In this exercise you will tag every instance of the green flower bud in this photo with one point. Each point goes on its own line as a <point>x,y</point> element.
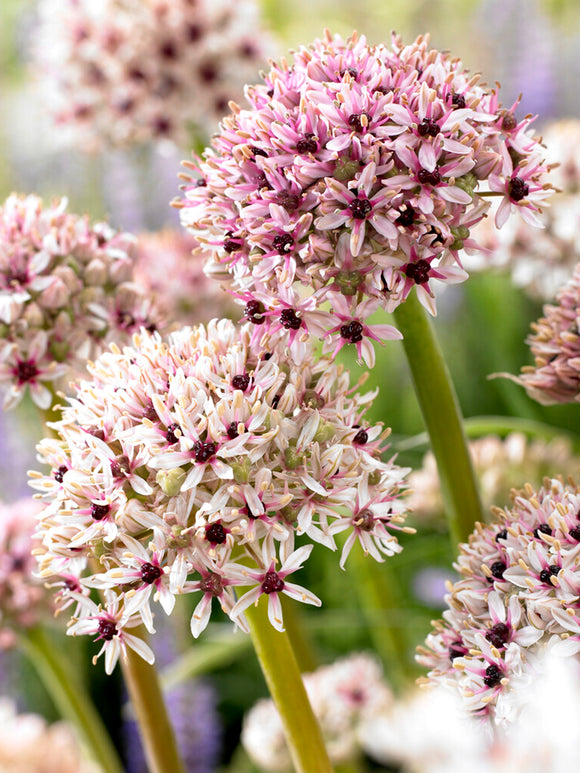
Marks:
<point>170,481</point>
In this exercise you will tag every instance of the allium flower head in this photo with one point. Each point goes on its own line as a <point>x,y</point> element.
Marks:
<point>166,268</point>
<point>540,261</point>
<point>190,466</point>
<point>344,696</point>
<point>555,345</point>
<point>497,463</point>
<point>125,71</point>
<point>356,173</point>
<point>66,291</point>
<point>23,598</point>
<point>517,597</point>
<point>29,745</point>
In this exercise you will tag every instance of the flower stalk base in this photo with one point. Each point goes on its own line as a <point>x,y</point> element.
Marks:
<point>282,675</point>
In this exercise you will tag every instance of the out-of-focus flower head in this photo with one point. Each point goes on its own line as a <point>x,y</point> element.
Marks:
<point>23,598</point>
<point>540,261</point>
<point>66,291</point>
<point>125,71</point>
<point>516,598</point>
<point>543,735</point>
<point>555,345</point>
<point>344,697</point>
<point>354,177</point>
<point>29,745</point>
<point>166,268</point>
<point>497,463</point>
<point>189,466</point>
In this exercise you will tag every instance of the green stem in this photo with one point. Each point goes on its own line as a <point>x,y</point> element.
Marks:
<point>376,587</point>
<point>300,640</point>
<point>282,675</point>
<point>69,698</point>
<point>443,419</point>
<point>154,725</point>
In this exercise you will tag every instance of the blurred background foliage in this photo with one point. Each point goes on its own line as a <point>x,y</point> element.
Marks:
<point>529,46</point>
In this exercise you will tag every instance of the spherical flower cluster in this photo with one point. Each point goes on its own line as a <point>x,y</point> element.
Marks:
<point>540,261</point>
<point>29,745</point>
<point>344,697</point>
<point>22,596</point>
<point>355,174</point>
<point>66,291</point>
<point>126,71</point>
<point>517,596</point>
<point>555,345</point>
<point>190,466</point>
<point>497,463</point>
<point>543,735</point>
<point>166,268</point>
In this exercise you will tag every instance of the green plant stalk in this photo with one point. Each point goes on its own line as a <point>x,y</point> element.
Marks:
<point>148,704</point>
<point>69,698</point>
<point>282,675</point>
<point>376,587</point>
<point>443,419</point>
<point>299,637</point>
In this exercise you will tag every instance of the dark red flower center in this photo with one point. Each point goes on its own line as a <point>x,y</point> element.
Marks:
<point>518,189</point>
<point>215,533</point>
<point>406,216</point>
<point>107,629</point>
<point>429,178</point>
<point>360,208</point>
<point>428,127</point>
<point>232,430</point>
<point>290,320</point>
<point>355,122</point>
<point>493,676</point>
<point>497,569</point>
<point>272,583</point>
<point>365,520</point>
<point>352,331</point>
<point>150,573</point>
<point>203,452</point>
<point>307,144</point>
<point>171,435</point>
<point>361,437</point>
<point>418,272</point>
<point>212,584</point>
<point>59,474</point>
<point>283,243</point>
<point>25,371</point>
<point>254,311</point>
<point>550,571</point>
<point>98,512</point>
<point>498,635</point>
<point>241,382</point>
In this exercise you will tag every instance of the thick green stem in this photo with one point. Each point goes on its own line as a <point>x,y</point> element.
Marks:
<point>69,698</point>
<point>443,419</point>
<point>154,725</point>
<point>284,681</point>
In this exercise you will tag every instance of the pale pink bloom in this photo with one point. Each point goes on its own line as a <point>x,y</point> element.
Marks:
<point>189,464</point>
<point>555,346</point>
<point>353,166</point>
<point>108,625</point>
<point>23,599</point>
<point>66,292</point>
<point>122,72</point>
<point>517,595</point>
<point>28,744</point>
<point>272,582</point>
